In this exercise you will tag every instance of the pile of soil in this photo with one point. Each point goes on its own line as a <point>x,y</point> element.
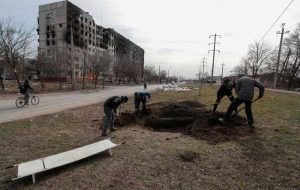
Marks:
<point>192,118</point>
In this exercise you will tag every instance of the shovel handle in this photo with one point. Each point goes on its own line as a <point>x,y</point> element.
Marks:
<point>244,107</point>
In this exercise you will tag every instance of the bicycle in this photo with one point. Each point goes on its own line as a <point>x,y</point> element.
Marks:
<point>21,101</point>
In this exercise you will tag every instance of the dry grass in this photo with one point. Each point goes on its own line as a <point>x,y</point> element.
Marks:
<point>268,159</point>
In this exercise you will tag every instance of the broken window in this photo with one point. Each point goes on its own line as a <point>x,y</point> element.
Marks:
<point>60,25</point>
<point>53,42</point>
<point>48,43</point>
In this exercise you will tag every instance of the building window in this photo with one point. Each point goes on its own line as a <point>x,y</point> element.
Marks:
<point>53,42</point>
<point>60,25</point>
<point>85,19</point>
<point>48,43</point>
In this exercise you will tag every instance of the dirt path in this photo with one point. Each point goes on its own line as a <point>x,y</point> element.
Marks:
<point>51,103</point>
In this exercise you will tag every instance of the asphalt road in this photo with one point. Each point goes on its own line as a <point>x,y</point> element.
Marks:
<point>55,102</point>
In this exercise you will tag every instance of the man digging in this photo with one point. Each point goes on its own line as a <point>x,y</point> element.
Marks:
<point>110,109</point>
<point>224,90</point>
<point>141,97</point>
<point>245,92</point>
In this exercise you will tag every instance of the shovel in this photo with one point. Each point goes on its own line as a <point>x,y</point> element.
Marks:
<point>243,108</point>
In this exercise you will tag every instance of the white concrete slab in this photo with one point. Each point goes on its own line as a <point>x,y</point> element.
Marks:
<point>43,164</point>
<point>29,168</point>
<point>74,155</point>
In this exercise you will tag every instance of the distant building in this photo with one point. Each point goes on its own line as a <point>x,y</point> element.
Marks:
<point>216,79</point>
<point>65,31</point>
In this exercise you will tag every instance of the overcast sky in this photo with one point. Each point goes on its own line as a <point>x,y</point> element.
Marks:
<point>175,33</point>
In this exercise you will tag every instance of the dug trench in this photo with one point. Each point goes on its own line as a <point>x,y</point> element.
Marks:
<point>190,118</point>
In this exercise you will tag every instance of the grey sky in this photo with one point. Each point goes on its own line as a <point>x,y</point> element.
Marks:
<point>175,33</point>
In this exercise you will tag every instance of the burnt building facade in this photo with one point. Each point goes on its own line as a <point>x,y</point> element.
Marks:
<point>66,31</point>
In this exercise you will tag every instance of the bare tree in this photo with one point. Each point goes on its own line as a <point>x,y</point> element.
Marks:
<point>2,73</point>
<point>150,73</point>
<point>163,75</point>
<point>121,68</point>
<point>258,55</point>
<point>60,66</point>
<point>99,64</point>
<point>106,60</point>
<point>2,70</point>
<point>240,68</point>
<point>15,43</point>
<point>293,64</point>
<point>41,69</point>
<point>85,65</point>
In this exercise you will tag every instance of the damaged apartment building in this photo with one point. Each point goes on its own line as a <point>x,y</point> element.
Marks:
<point>66,32</point>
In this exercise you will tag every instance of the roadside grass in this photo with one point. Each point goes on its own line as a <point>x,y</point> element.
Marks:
<point>267,159</point>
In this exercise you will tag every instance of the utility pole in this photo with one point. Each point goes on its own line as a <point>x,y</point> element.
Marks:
<point>214,51</point>
<point>203,63</point>
<point>222,70</point>
<point>199,75</point>
<point>279,52</point>
<point>159,74</point>
<point>168,77</point>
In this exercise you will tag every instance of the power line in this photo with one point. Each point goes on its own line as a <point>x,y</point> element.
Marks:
<point>276,20</point>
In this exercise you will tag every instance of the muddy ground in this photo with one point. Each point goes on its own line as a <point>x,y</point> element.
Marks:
<point>188,117</point>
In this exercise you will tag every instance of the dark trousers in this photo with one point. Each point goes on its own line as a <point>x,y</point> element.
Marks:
<point>233,106</point>
<point>109,119</point>
<point>137,101</point>
<point>26,96</point>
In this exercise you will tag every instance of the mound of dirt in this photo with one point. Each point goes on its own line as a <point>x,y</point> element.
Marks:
<point>189,156</point>
<point>191,118</point>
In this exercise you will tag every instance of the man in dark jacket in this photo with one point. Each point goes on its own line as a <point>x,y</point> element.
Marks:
<point>141,97</point>
<point>110,109</point>
<point>245,92</point>
<point>24,89</point>
<point>225,89</point>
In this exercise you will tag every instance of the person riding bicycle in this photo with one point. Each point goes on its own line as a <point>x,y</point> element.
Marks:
<point>24,89</point>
